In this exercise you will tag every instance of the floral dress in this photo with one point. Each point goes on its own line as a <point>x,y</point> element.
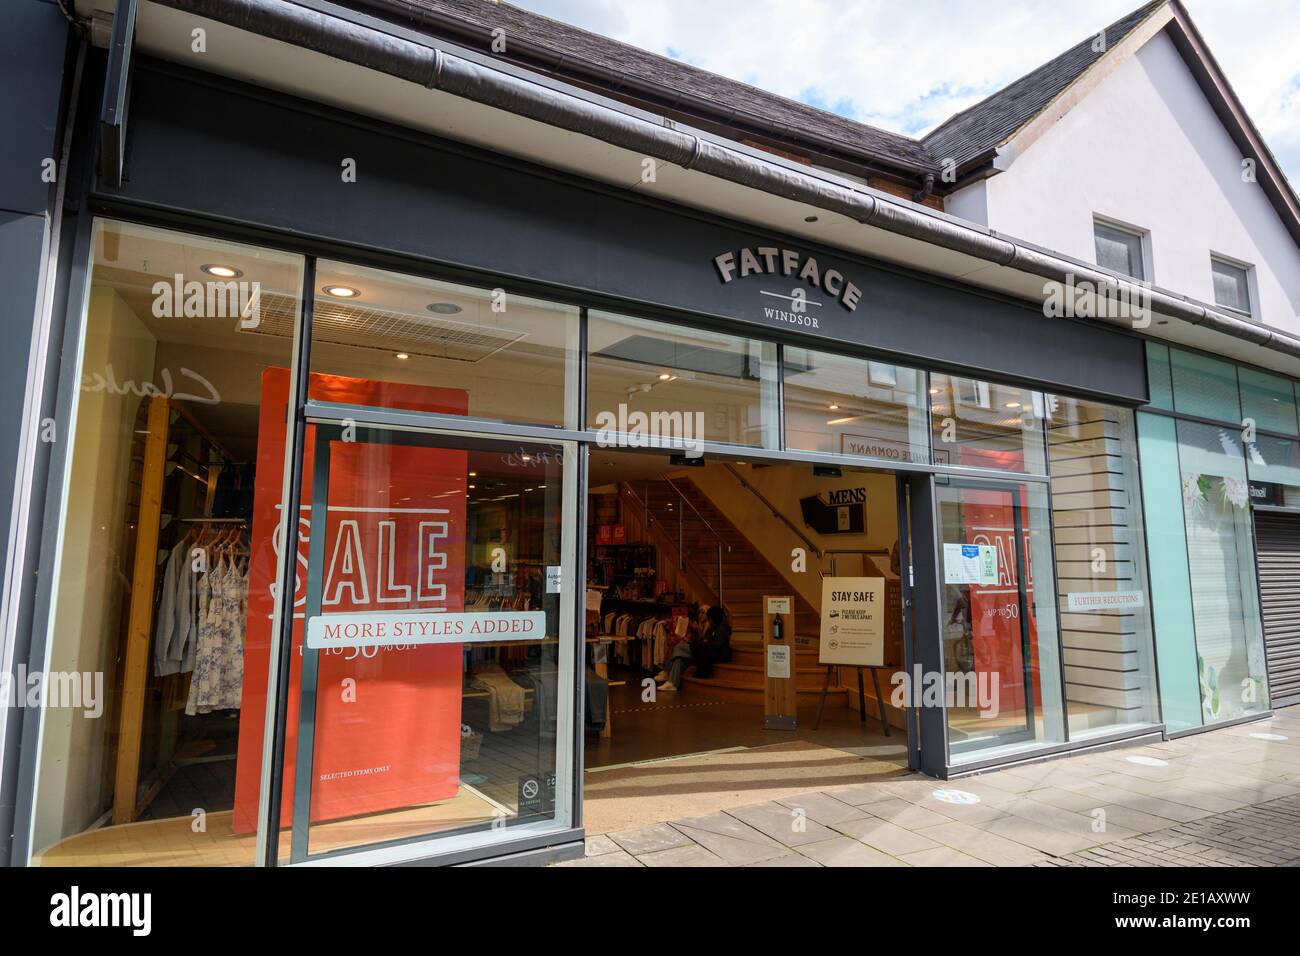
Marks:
<point>218,678</point>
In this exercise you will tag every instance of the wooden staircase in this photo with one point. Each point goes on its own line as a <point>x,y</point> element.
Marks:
<point>683,512</point>
<point>742,680</point>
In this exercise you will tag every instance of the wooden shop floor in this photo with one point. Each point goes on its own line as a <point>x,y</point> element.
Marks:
<point>172,842</point>
<point>692,722</point>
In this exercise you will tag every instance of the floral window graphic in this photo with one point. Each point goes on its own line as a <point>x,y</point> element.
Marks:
<point>1230,658</point>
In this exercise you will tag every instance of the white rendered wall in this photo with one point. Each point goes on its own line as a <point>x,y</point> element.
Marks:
<point>1145,148</point>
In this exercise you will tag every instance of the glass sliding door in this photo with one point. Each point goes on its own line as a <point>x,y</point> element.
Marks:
<point>432,675</point>
<point>1002,671</point>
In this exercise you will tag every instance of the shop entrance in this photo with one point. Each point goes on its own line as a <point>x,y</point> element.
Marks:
<point>681,557</point>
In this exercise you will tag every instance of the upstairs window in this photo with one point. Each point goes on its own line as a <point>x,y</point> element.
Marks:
<point>1231,285</point>
<point>1119,250</point>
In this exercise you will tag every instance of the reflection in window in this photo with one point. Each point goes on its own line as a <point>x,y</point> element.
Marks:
<point>1001,650</point>
<point>848,406</point>
<point>169,454</point>
<point>1231,285</point>
<point>1267,401</point>
<point>1274,468</point>
<point>1220,553</point>
<point>461,718</point>
<point>512,356</point>
<point>978,424</point>
<point>1100,566</point>
<point>646,378</point>
<point>1119,250</point>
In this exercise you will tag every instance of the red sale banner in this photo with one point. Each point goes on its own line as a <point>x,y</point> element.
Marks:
<point>995,608</point>
<point>387,724</point>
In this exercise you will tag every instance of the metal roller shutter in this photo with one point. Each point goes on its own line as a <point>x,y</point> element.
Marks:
<point>1277,538</point>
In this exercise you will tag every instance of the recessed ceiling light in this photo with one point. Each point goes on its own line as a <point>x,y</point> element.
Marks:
<point>934,391</point>
<point>525,457</point>
<point>402,355</point>
<point>341,291</point>
<point>225,272</point>
<point>473,474</point>
<point>809,218</point>
<point>444,308</point>
<point>473,486</point>
<point>832,408</point>
<point>666,376</point>
<point>1013,404</point>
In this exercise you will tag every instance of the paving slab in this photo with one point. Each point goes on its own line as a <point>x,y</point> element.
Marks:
<point>845,851</point>
<point>779,823</point>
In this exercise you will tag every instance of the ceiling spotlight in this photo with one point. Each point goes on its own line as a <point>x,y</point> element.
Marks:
<point>473,486</point>
<point>444,308</point>
<point>525,457</point>
<point>1013,404</point>
<point>809,218</point>
<point>934,391</point>
<point>403,355</point>
<point>666,376</point>
<point>341,291</point>
<point>225,272</point>
<point>832,408</point>
<point>473,474</point>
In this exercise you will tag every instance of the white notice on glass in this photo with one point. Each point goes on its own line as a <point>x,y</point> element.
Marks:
<point>970,564</point>
<point>553,579</point>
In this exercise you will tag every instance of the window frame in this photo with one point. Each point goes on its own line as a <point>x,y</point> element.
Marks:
<point>1143,237</point>
<point>1248,278</point>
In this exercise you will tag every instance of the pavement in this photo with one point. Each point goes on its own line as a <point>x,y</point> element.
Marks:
<point>1228,797</point>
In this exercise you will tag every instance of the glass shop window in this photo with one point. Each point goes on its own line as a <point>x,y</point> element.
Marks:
<point>149,756</point>
<point>976,424</point>
<point>850,406</point>
<point>647,380</point>
<point>508,357</point>
<point>431,686</point>
<point>1100,567</point>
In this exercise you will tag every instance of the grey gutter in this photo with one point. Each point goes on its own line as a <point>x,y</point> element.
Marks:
<point>663,96</point>
<point>434,68</point>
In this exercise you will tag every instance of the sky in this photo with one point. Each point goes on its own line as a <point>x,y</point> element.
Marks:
<point>907,65</point>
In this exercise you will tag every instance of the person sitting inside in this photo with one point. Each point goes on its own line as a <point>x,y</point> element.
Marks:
<point>712,645</point>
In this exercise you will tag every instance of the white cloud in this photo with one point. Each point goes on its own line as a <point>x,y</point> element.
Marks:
<point>907,66</point>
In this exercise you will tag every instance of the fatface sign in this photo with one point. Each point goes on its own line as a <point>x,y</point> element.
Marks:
<point>790,303</point>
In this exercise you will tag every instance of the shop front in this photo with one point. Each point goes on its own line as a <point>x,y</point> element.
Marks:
<point>324,526</point>
<point>1221,474</point>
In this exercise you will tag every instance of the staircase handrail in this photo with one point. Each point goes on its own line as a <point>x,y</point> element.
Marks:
<point>775,511</point>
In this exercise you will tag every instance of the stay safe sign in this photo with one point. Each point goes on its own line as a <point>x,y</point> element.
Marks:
<point>853,621</point>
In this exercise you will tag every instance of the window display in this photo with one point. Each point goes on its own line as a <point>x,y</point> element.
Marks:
<point>153,581</point>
